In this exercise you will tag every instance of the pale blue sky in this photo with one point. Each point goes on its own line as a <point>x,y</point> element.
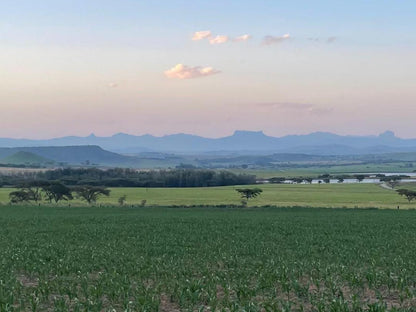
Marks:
<point>76,67</point>
<point>103,22</point>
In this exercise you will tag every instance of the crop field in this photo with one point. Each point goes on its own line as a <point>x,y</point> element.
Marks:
<point>323,195</point>
<point>206,259</point>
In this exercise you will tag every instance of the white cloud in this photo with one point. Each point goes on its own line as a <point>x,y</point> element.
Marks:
<point>181,71</point>
<point>113,85</point>
<point>268,40</point>
<point>218,39</point>
<point>242,38</point>
<point>199,35</point>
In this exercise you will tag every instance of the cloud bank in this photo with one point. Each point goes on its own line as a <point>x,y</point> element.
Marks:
<point>181,71</point>
<point>267,40</point>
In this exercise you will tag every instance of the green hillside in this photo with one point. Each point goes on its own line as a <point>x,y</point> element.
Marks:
<point>23,158</point>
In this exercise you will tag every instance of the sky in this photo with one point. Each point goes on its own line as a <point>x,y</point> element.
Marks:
<point>208,68</point>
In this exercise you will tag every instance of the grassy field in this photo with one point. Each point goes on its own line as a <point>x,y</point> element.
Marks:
<point>206,259</point>
<point>324,195</point>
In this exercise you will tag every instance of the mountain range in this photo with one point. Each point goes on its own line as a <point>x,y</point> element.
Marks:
<point>242,142</point>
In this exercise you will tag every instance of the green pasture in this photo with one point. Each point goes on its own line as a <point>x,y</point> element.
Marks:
<point>101,259</point>
<point>309,195</point>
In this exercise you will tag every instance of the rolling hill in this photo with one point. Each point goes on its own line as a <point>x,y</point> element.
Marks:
<point>25,158</point>
<point>62,155</point>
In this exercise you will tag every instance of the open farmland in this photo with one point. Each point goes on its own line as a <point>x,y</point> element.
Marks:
<point>323,195</point>
<point>167,259</point>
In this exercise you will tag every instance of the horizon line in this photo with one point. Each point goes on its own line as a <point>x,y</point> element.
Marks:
<point>386,132</point>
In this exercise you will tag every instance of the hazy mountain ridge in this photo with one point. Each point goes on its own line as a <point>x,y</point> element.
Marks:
<point>321,143</point>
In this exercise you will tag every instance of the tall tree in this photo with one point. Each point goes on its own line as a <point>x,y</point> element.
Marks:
<point>91,193</point>
<point>359,177</point>
<point>56,192</point>
<point>391,181</point>
<point>34,188</point>
<point>20,196</point>
<point>409,194</point>
<point>248,193</point>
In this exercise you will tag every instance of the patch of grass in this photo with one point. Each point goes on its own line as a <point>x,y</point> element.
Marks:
<point>164,259</point>
<point>315,195</point>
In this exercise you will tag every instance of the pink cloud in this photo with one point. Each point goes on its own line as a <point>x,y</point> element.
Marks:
<point>199,35</point>
<point>181,71</point>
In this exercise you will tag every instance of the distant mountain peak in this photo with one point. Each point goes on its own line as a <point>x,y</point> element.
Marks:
<point>387,134</point>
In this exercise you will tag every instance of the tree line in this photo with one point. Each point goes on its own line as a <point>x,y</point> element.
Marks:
<point>392,180</point>
<point>36,191</point>
<point>119,177</point>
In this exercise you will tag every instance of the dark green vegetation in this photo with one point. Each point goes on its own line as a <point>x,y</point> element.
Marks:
<point>161,259</point>
<point>119,177</point>
<point>49,191</point>
<point>91,193</point>
<point>36,191</point>
<point>409,194</point>
<point>248,193</point>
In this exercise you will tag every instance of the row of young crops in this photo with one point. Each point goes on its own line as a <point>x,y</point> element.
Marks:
<point>165,259</point>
